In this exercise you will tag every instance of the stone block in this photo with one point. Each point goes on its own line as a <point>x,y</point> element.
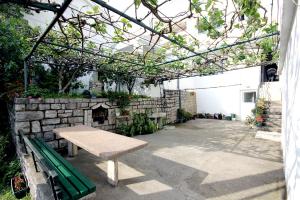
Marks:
<point>51,121</point>
<point>36,100</point>
<point>61,125</point>
<point>60,111</point>
<point>77,113</point>
<point>83,105</point>
<point>77,124</point>
<point>63,106</point>
<point>71,106</point>
<point>64,120</point>
<point>63,100</point>
<point>21,100</point>
<point>62,143</point>
<point>111,120</point>
<point>39,135</point>
<point>73,120</point>
<point>53,144</point>
<point>92,104</point>
<point>95,124</point>
<point>55,106</point>
<point>32,106</point>
<point>19,107</point>
<point>44,106</point>
<point>65,115</point>
<point>48,128</point>
<point>77,100</point>
<point>111,112</point>
<point>35,127</point>
<point>29,116</point>
<point>50,114</point>
<point>49,100</point>
<point>85,100</point>
<point>48,136</point>
<point>25,126</point>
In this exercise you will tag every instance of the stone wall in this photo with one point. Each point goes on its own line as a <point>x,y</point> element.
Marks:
<point>188,99</point>
<point>40,116</point>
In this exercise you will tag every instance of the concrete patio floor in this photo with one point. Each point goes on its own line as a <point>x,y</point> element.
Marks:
<point>201,159</point>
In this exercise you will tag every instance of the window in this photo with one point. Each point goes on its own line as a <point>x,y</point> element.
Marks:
<point>249,97</point>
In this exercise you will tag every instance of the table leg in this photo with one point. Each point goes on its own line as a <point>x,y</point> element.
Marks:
<point>112,172</point>
<point>72,149</point>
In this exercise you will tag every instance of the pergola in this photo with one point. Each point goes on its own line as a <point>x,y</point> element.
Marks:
<point>160,33</point>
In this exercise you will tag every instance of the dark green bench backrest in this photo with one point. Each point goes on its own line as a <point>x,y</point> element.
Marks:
<point>74,185</point>
<point>73,182</point>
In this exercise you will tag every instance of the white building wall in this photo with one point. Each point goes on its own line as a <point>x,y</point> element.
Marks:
<point>290,60</point>
<point>222,93</point>
<point>139,88</point>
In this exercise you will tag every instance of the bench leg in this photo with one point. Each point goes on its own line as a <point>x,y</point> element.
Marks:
<point>34,162</point>
<point>112,172</point>
<point>72,149</point>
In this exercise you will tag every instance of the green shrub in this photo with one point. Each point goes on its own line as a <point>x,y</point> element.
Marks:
<point>141,124</point>
<point>183,115</point>
<point>35,92</point>
<point>9,165</point>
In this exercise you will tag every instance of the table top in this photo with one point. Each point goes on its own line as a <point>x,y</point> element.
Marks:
<point>104,144</point>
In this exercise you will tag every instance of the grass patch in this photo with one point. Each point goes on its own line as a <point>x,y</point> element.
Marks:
<point>6,194</point>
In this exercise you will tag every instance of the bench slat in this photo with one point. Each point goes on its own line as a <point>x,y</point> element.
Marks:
<point>65,183</point>
<point>90,185</point>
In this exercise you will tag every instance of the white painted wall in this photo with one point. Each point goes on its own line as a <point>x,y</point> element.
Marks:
<point>290,65</point>
<point>222,93</point>
<point>271,91</point>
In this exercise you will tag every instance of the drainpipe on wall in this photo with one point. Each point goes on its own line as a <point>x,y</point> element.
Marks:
<point>179,92</point>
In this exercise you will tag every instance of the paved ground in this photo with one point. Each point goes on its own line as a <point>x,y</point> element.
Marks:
<point>201,159</point>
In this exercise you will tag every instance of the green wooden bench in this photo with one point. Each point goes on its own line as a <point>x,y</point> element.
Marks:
<point>66,182</point>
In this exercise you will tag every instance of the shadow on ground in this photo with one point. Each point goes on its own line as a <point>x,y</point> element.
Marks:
<point>201,159</point>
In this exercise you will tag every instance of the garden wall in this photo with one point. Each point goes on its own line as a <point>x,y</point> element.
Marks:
<point>188,100</point>
<point>39,117</point>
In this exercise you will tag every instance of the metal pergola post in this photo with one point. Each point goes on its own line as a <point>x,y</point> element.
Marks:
<point>25,67</point>
<point>179,91</point>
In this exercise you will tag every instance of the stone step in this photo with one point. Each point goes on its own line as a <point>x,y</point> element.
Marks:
<point>274,111</point>
<point>271,129</point>
<point>272,116</point>
<point>268,135</point>
<point>274,103</point>
<point>273,124</point>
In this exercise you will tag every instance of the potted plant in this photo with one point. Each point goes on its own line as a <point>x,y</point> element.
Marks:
<point>19,186</point>
<point>259,120</point>
<point>233,117</point>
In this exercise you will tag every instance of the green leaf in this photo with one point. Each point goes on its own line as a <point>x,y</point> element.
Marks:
<point>137,3</point>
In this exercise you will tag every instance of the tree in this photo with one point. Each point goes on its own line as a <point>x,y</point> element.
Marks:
<point>16,37</point>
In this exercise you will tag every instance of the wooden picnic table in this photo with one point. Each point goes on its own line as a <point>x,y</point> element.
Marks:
<point>105,144</point>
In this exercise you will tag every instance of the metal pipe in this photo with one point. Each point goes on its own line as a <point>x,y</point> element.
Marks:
<point>218,48</point>
<point>179,92</point>
<point>105,5</point>
<point>25,76</point>
<point>91,52</point>
<point>58,15</point>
